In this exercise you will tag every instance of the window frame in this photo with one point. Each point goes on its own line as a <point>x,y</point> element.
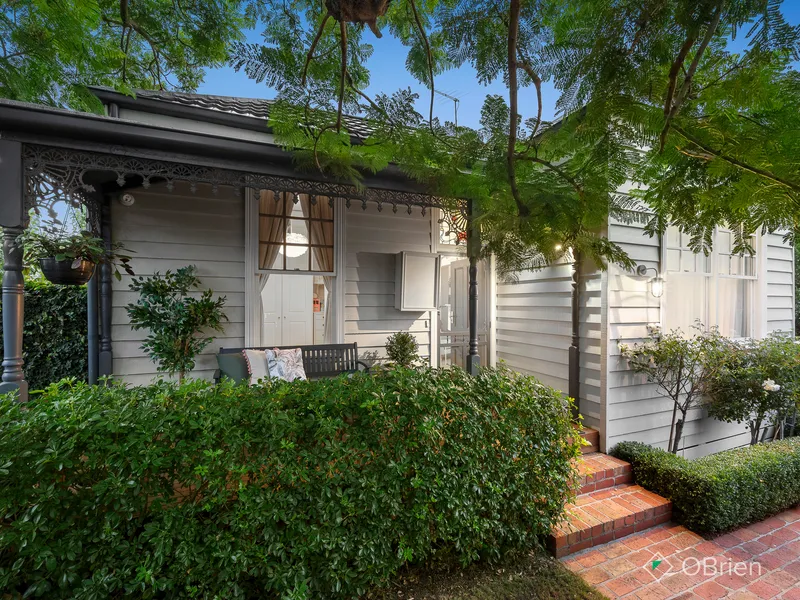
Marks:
<point>287,200</point>
<point>711,310</point>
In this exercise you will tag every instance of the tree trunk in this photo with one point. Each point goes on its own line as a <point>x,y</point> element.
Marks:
<point>755,427</point>
<point>678,432</point>
<point>672,425</point>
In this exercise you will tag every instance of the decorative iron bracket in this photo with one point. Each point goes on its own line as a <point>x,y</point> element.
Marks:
<point>59,175</point>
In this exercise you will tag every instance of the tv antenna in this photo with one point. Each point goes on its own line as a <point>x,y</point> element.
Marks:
<point>455,103</point>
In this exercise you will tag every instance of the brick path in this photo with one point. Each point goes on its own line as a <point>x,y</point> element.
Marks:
<point>756,562</point>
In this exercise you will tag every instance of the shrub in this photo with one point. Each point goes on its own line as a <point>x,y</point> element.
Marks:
<point>176,320</point>
<point>402,349</point>
<point>292,490</point>
<point>724,490</point>
<point>54,337</point>
<point>756,383</point>
<point>679,365</point>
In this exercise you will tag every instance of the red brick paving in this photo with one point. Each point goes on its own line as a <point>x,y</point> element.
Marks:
<point>769,551</point>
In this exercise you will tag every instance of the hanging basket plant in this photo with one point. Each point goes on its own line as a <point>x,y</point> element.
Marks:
<point>70,259</point>
<point>358,11</point>
<point>66,271</point>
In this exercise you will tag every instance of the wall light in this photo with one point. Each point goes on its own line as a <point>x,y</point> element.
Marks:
<point>656,283</point>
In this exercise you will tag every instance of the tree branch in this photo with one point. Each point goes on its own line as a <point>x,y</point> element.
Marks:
<point>795,187</point>
<point>557,170</point>
<point>673,75</point>
<point>672,106</point>
<point>430,57</point>
<point>511,152</point>
<point>343,42</point>
<point>310,54</point>
<point>537,82</point>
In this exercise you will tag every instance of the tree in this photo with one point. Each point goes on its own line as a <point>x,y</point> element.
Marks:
<point>681,366</point>
<point>50,51</point>
<point>648,91</point>
<point>176,320</point>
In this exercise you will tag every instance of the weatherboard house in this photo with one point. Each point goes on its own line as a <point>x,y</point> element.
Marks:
<point>185,179</point>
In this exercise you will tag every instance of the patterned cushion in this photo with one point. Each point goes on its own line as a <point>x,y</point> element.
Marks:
<point>256,365</point>
<point>286,364</point>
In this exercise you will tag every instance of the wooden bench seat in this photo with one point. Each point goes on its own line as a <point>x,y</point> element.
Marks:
<point>325,360</point>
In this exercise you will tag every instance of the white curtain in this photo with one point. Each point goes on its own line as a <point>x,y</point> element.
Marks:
<point>271,229</point>
<point>322,237</point>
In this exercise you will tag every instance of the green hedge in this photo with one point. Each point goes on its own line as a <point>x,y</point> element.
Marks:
<point>303,490</point>
<point>54,333</point>
<point>724,490</point>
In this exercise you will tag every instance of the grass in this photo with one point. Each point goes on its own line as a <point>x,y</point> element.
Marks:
<point>532,577</point>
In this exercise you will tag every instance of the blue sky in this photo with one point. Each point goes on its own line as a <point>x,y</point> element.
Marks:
<point>388,73</point>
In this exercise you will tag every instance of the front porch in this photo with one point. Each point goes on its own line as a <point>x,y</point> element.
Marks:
<point>187,209</point>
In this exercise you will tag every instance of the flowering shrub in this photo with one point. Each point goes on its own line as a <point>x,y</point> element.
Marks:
<point>756,383</point>
<point>679,365</point>
<point>286,490</point>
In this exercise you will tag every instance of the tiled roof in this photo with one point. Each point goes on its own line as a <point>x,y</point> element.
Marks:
<point>248,107</point>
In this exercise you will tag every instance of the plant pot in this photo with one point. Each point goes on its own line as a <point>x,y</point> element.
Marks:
<point>61,272</point>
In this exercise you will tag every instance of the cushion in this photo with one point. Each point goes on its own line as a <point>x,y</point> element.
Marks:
<point>256,365</point>
<point>233,366</point>
<point>286,364</point>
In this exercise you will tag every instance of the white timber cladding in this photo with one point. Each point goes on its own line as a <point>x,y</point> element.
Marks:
<point>172,229</point>
<point>634,410</point>
<point>534,329</point>
<point>778,273</point>
<point>372,240</point>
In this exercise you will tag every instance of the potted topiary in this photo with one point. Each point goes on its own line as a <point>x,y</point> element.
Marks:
<point>402,350</point>
<point>70,259</point>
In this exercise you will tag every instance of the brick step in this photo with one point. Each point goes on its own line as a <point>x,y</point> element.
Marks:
<point>609,514</point>
<point>599,471</point>
<point>592,436</point>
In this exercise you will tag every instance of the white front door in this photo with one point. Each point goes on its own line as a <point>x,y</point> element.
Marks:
<point>272,320</point>
<point>298,310</point>
<point>288,315</point>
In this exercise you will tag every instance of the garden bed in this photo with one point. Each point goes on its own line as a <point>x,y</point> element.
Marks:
<point>722,491</point>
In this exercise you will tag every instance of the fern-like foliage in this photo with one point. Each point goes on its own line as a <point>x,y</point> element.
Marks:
<point>647,91</point>
<point>51,51</point>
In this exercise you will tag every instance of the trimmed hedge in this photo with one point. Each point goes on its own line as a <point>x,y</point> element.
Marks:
<point>724,490</point>
<point>55,336</point>
<point>287,490</point>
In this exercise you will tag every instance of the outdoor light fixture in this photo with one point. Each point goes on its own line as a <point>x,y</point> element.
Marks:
<point>656,283</point>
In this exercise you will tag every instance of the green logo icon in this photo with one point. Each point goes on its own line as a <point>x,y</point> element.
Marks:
<point>656,563</point>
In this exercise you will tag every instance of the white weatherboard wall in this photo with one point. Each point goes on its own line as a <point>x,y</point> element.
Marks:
<point>534,329</point>
<point>169,230</point>
<point>373,238</point>
<point>778,272</point>
<point>634,409</point>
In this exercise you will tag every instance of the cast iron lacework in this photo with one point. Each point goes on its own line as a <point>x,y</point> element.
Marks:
<point>454,223</point>
<point>60,174</point>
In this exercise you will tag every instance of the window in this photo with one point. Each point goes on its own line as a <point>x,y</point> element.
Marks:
<point>295,232</point>
<point>717,289</point>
